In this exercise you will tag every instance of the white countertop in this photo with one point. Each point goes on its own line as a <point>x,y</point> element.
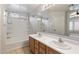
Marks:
<point>48,39</point>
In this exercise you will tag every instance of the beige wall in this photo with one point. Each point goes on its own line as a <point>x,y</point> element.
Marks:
<point>1,29</point>
<point>58,21</point>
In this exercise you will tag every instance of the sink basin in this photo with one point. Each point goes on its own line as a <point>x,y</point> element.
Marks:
<point>62,45</point>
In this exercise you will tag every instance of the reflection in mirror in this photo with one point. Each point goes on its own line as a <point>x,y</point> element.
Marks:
<point>74,21</point>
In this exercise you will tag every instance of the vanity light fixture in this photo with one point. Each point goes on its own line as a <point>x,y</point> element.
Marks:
<point>74,14</point>
<point>47,6</point>
<point>77,12</point>
<point>75,8</point>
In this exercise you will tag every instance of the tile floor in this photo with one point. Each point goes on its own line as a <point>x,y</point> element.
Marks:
<point>24,50</point>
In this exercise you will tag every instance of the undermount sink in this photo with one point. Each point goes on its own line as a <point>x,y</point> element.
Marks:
<point>61,45</point>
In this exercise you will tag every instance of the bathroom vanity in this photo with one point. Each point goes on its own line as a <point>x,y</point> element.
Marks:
<point>37,47</point>
<point>49,44</point>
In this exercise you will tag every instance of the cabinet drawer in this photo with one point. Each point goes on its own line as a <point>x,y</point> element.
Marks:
<point>42,46</point>
<point>51,51</point>
<point>36,44</point>
<point>41,51</point>
<point>36,51</point>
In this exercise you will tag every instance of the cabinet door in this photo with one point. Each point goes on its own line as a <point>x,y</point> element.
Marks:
<point>36,46</point>
<point>42,51</point>
<point>36,51</point>
<point>42,48</point>
<point>32,44</point>
<point>51,51</point>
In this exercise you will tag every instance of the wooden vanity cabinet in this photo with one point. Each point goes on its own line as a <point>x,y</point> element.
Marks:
<point>37,47</point>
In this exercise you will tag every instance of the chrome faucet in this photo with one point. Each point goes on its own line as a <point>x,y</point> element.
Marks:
<point>60,40</point>
<point>39,34</point>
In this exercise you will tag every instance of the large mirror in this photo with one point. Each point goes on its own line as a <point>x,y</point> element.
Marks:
<point>73,20</point>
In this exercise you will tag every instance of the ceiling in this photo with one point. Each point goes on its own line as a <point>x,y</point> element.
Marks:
<point>59,7</point>
<point>25,8</point>
<point>35,9</point>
